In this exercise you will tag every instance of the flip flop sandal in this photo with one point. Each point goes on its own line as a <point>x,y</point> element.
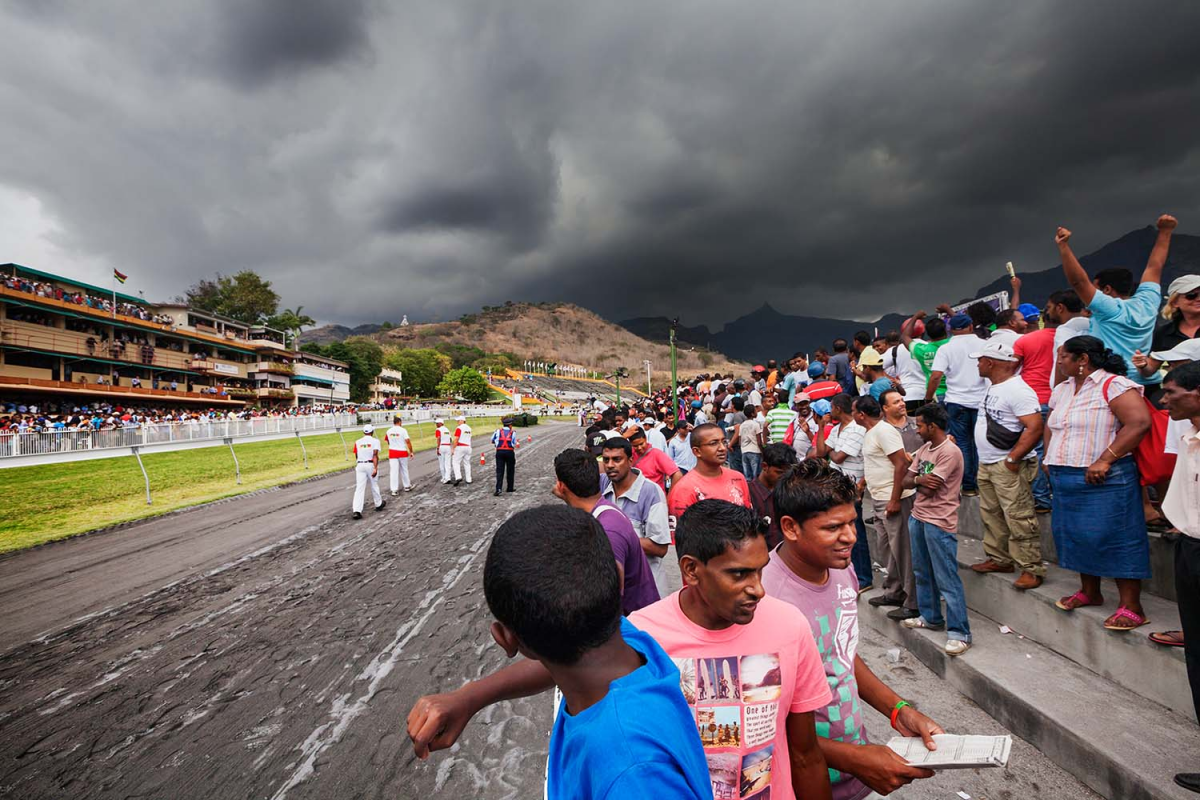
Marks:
<point>1123,613</point>
<point>1077,600</point>
<point>1167,638</point>
<point>1158,525</point>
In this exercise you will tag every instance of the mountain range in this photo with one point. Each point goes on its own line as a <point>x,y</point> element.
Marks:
<point>756,336</point>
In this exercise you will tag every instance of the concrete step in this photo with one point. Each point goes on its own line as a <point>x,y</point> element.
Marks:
<point>1128,659</point>
<point>1162,548</point>
<point>1118,743</point>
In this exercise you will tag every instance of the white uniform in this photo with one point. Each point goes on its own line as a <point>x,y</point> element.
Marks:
<point>398,454</point>
<point>364,450</point>
<point>462,454</point>
<point>441,438</point>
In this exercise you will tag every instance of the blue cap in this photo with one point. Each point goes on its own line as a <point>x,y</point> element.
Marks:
<point>959,322</point>
<point>696,404</point>
<point>1029,311</point>
<point>816,369</point>
<point>822,407</point>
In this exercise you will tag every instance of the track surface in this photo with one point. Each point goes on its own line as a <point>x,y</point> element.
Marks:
<point>267,646</point>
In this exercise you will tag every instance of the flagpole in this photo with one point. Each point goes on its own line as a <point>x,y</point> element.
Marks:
<point>114,300</point>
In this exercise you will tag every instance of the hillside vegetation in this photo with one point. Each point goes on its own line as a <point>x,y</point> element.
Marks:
<point>560,333</point>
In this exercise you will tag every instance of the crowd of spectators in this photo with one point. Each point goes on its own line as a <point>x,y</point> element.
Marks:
<point>66,416</point>
<point>49,290</point>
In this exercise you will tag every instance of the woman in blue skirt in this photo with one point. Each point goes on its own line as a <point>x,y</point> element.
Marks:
<point>1096,420</point>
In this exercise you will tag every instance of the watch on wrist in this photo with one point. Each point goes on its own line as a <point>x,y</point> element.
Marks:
<point>1009,460</point>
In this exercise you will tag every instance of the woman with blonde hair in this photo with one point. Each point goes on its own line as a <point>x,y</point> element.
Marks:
<point>1182,315</point>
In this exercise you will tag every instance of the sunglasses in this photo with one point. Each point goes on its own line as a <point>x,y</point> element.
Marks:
<point>1192,295</point>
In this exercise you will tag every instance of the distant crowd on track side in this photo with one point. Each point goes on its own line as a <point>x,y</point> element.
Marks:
<point>746,683</point>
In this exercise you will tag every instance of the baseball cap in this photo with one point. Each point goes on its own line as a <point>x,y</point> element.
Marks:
<point>1183,284</point>
<point>439,419</point>
<point>997,351</point>
<point>816,369</point>
<point>801,397</point>
<point>595,443</point>
<point>822,407</point>
<point>461,418</point>
<point>1029,311</point>
<point>1184,351</point>
<point>959,322</point>
<point>368,429</point>
<point>758,368</point>
<point>870,358</point>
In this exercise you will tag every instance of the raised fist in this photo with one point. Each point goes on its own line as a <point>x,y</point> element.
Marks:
<point>920,315</point>
<point>1139,359</point>
<point>945,308</point>
<point>1015,282</point>
<point>1062,236</point>
<point>1167,223</point>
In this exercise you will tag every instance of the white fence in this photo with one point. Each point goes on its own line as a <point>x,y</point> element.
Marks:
<point>22,449</point>
<point>447,413</point>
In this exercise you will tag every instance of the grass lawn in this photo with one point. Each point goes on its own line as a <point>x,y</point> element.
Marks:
<point>44,503</point>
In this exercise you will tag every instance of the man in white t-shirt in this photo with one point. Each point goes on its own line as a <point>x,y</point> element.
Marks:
<point>460,461</point>
<point>843,447</point>
<point>899,362</point>
<point>965,389</point>
<point>400,450</point>
<point>750,439</point>
<point>1008,428</point>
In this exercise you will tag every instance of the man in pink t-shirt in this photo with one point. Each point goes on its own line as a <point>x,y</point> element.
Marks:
<point>748,664</point>
<point>711,479</point>
<point>656,465</point>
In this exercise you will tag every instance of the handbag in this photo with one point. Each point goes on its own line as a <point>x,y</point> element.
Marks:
<point>997,435</point>
<point>1153,463</point>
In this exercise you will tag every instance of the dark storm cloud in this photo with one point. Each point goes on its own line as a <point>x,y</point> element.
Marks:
<point>680,156</point>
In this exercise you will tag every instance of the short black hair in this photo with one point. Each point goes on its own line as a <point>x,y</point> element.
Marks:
<point>892,337</point>
<point>935,328</point>
<point>842,402</point>
<point>578,471</point>
<point>934,414</point>
<point>551,579</point>
<point>708,527</point>
<point>812,487</point>
<point>1119,279</point>
<point>883,396</point>
<point>778,455</point>
<point>863,338</point>
<point>1068,299</point>
<point>839,345</point>
<point>983,316</point>
<point>867,405</point>
<point>1005,317</point>
<point>637,433</point>
<point>738,403</point>
<point>618,443</point>
<point>1185,376</point>
<point>702,429</point>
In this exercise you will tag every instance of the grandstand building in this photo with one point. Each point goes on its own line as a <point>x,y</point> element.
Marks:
<point>320,380</point>
<point>65,338</point>
<point>389,383</point>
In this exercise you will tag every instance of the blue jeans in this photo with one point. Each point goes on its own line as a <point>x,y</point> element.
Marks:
<point>751,465</point>
<point>962,428</point>
<point>935,565</point>
<point>1041,484</point>
<point>860,556</point>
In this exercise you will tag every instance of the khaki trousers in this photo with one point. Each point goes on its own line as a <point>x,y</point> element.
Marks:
<point>1010,527</point>
<point>901,582</point>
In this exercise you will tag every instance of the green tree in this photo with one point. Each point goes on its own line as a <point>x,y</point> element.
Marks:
<point>460,354</point>
<point>244,296</point>
<point>291,321</point>
<point>423,369</point>
<point>365,359</point>
<point>466,383</point>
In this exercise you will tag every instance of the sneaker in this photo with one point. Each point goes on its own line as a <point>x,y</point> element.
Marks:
<point>900,614</point>
<point>408,488</point>
<point>468,483</point>
<point>457,481</point>
<point>495,494</point>
<point>357,515</point>
<point>1027,581</point>
<point>395,494</point>
<point>919,622</point>
<point>984,567</point>
<point>884,600</point>
<point>382,505</point>
<point>955,647</point>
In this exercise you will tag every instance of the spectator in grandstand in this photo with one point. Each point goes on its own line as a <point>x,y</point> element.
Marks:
<point>656,465</point>
<point>1005,434</point>
<point>679,447</point>
<point>900,363</point>
<point>876,382</point>
<point>838,368</point>
<point>1035,354</point>
<point>964,391</point>
<point>1010,325</point>
<point>750,439</point>
<point>803,428</point>
<point>641,500</point>
<point>1182,323</point>
<point>1122,318</point>
<point>1096,420</point>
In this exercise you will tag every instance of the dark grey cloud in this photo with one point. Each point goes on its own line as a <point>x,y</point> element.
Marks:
<point>684,156</point>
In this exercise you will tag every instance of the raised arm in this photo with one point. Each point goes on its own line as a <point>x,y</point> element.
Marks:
<point>1015,302</point>
<point>1158,254</point>
<point>1076,275</point>
<point>906,330</point>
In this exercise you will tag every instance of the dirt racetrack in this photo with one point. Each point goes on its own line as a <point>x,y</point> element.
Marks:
<point>267,647</point>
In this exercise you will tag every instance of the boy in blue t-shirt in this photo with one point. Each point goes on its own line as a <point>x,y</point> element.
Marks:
<point>624,730</point>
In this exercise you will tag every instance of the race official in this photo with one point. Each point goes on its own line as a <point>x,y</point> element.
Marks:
<point>366,470</point>
<point>443,447</point>
<point>400,450</point>
<point>461,451</point>
<point>506,455</point>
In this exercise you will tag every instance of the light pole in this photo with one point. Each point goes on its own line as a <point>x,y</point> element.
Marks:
<point>674,382</point>
<point>649,388</point>
<point>620,372</point>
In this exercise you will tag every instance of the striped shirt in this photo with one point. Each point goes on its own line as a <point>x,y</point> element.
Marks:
<point>1082,425</point>
<point>778,419</point>
<point>848,439</point>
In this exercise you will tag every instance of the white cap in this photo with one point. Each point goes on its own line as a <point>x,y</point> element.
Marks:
<point>368,429</point>
<point>461,418</point>
<point>997,351</point>
<point>1184,351</point>
<point>440,421</point>
<point>1183,284</point>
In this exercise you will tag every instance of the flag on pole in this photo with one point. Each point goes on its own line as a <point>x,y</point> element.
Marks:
<point>121,278</point>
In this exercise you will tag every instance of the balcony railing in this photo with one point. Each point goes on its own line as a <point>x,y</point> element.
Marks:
<point>161,393</point>
<point>278,367</point>
<point>279,394</point>
<point>79,343</point>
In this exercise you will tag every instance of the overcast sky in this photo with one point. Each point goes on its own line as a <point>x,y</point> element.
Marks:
<point>378,158</point>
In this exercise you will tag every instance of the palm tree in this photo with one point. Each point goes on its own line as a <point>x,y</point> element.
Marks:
<point>293,321</point>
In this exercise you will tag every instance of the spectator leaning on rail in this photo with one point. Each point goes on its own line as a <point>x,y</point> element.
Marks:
<point>1097,418</point>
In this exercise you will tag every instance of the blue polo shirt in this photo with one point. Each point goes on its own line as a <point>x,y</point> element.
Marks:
<point>638,743</point>
<point>1128,325</point>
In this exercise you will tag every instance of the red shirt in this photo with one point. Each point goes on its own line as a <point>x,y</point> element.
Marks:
<point>1036,351</point>
<point>694,487</point>
<point>656,466</point>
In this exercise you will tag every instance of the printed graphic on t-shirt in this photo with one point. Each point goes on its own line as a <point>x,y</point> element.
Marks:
<point>845,639</point>
<point>736,703</point>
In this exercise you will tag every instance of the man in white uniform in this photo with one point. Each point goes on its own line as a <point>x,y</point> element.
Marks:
<point>443,447</point>
<point>462,451</point>
<point>400,449</point>
<point>366,453</point>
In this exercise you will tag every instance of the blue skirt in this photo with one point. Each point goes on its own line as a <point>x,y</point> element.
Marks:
<point>1101,530</point>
